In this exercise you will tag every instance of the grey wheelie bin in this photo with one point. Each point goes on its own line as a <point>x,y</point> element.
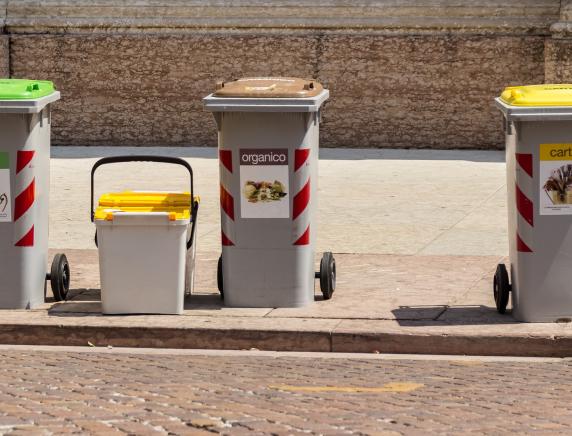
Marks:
<point>538,126</point>
<point>268,154</point>
<point>24,187</point>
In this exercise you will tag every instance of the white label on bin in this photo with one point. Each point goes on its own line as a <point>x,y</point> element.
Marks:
<point>264,183</point>
<point>5,199</point>
<point>555,179</point>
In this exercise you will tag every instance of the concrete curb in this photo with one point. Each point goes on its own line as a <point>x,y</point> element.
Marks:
<point>286,340</point>
<point>455,344</point>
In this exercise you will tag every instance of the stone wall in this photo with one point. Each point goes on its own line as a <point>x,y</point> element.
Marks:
<point>410,73</point>
<point>4,63</point>
<point>4,51</point>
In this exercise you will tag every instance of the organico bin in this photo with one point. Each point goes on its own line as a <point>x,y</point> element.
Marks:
<point>268,154</point>
<point>24,195</point>
<point>147,245</point>
<point>538,125</point>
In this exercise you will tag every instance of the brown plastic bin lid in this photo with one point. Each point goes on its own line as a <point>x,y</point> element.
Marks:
<point>269,87</point>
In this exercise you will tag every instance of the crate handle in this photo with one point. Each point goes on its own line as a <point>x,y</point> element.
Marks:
<point>146,158</point>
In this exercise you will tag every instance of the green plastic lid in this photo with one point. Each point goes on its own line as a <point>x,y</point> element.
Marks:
<point>22,89</point>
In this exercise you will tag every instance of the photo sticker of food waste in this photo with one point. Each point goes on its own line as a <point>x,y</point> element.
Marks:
<point>264,191</point>
<point>558,186</point>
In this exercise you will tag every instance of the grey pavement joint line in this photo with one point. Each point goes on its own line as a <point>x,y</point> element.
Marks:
<point>452,226</point>
<point>470,289</point>
<point>331,335</point>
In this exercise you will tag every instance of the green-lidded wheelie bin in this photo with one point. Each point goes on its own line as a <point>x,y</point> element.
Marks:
<point>25,121</point>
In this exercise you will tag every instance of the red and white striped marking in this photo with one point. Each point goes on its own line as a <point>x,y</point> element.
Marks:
<point>24,201</point>
<point>300,204</point>
<point>524,204</point>
<point>226,200</point>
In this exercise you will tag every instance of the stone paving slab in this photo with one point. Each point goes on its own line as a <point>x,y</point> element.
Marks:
<point>367,203</point>
<point>383,303</point>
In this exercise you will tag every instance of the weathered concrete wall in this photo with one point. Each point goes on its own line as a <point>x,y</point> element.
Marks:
<point>412,73</point>
<point>4,57</point>
<point>430,91</point>
<point>4,43</point>
<point>558,57</point>
<point>136,90</point>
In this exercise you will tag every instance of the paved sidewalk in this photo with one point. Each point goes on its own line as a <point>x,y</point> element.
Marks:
<point>417,236</point>
<point>370,201</point>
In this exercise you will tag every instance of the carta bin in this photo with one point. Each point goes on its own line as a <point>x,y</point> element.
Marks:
<point>25,121</point>
<point>268,154</point>
<point>538,127</point>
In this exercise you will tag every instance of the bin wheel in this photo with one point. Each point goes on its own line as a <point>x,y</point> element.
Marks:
<point>60,277</point>
<point>328,275</point>
<point>219,278</point>
<point>501,288</point>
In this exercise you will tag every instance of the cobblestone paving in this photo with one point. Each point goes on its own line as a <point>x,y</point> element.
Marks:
<point>58,392</point>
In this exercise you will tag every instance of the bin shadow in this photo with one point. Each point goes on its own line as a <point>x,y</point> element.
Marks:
<point>451,315</point>
<point>79,152</point>
<point>196,302</point>
<point>80,302</point>
<point>87,302</point>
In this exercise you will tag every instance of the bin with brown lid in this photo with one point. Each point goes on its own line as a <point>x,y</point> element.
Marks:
<point>268,154</point>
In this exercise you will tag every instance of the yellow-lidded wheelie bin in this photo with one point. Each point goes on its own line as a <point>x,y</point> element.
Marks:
<point>538,131</point>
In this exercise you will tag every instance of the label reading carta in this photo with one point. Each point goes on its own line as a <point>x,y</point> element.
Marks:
<point>555,177</point>
<point>5,199</point>
<point>264,183</point>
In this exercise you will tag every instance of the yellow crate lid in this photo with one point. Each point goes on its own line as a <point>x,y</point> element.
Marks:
<point>538,95</point>
<point>177,204</point>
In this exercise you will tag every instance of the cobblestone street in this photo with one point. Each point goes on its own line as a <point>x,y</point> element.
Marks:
<point>107,391</point>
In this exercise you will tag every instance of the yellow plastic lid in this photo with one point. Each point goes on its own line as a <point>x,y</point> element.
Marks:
<point>177,204</point>
<point>538,95</point>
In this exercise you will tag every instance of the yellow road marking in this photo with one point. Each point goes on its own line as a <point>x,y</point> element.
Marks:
<point>389,387</point>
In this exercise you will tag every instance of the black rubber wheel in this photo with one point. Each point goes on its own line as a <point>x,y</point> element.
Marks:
<point>501,288</point>
<point>219,278</point>
<point>328,275</point>
<point>60,277</point>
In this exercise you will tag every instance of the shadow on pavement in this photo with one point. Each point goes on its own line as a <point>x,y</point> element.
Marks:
<point>88,302</point>
<point>451,315</point>
<point>325,153</point>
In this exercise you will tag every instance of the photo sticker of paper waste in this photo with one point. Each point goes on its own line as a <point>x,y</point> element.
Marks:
<point>558,186</point>
<point>556,179</point>
<point>264,191</point>
<point>264,183</point>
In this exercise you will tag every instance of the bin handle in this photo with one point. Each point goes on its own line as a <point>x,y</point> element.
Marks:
<point>147,158</point>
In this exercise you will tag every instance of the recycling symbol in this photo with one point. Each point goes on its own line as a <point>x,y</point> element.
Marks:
<point>3,202</point>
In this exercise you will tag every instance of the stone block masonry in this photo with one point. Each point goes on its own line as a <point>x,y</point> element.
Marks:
<point>401,74</point>
<point>4,56</point>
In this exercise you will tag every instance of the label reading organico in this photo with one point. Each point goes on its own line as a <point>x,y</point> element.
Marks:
<point>5,210</point>
<point>264,183</point>
<point>555,179</point>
